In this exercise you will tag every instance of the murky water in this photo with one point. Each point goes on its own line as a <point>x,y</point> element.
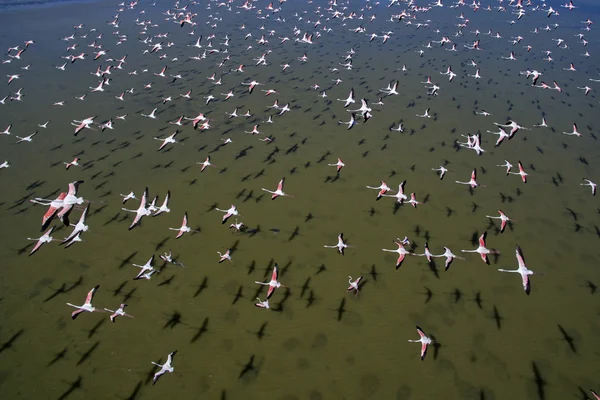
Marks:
<point>317,341</point>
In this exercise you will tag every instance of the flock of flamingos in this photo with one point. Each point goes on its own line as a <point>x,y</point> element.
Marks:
<point>93,48</point>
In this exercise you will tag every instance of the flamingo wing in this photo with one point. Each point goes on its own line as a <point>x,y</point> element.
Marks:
<point>84,214</point>
<point>90,295</point>
<point>53,209</point>
<point>484,257</point>
<point>36,247</point>
<point>400,260</point>
<point>73,188</point>
<point>423,350</point>
<point>136,220</point>
<point>526,283</point>
<point>482,239</point>
<point>520,258</point>
<point>75,313</point>
<point>63,214</point>
<point>503,225</point>
<point>274,274</point>
<point>144,199</point>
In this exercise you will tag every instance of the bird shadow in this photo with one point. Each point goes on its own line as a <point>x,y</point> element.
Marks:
<point>567,338</point>
<point>9,343</point>
<point>73,386</point>
<point>248,368</point>
<point>88,354</point>
<point>201,331</point>
<point>539,381</point>
<point>436,347</point>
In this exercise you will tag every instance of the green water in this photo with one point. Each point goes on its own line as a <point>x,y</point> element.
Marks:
<point>493,340</point>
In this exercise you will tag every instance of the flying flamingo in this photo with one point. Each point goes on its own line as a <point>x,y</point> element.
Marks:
<point>279,191</point>
<point>427,253</point>
<point>341,245</point>
<point>144,269</point>
<point>400,196</point>
<point>53,207</point>
<point>84,123</point>
<point>79,227</point>
<point>75,162</point>
<point>482,250</point>
<point>354,285</point>
<point>45,238</point>
<point>87,306</point>
<point>262,304</point>
<point>449,257</point>
<point>237,226</point>
<point>228,213</point>
<point>68,202</point>
<point>167,140</point>
<point>226,256</point>
<point>165,205</point>
<point>441,170</point>
<point>424,340</point>
<point>402,252</point>
<point>502,218</point>
<point>473,181</point>
<point>166,367</point>
<point>591,184</point>
<point>205,164</point>
<point>413,200</point>
<point>506,165</point>
<point>184,227</point>
<point>521,172</point>
<point>339,165</point>
<point>383,189</point>
<point>272,284</point>
<point>521,270</point>
<point>129,196</point>
<point>118,312</point>
<point>141,211</point>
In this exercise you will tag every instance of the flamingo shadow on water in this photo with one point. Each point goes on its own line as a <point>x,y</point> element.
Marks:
<point>539,381</point>
<point>200,331</point>
<point>248,367</point>
<point>201,287</point>
<point>73,386</point>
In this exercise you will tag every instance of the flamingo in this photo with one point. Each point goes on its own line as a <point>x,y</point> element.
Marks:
<point>482,250</point>
<point>502,218</point>
<point>118,312</point>
<point>279,192</point>
<point>521,270</point>
<point>354,285</point>
<point>87,306</point>
<point>184,228</point>
<point>141,211</point>
<point>45,238</point>
<point>166,367</point>
<point>341,245</point>
<point>402,252</point>
<point>424,340</point>
<point>273,283</point>
<point>473,181</point>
